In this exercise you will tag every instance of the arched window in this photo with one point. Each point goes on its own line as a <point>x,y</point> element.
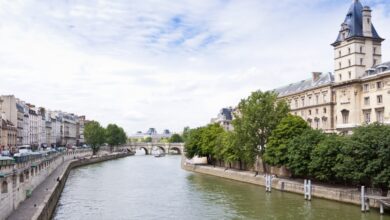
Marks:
<point>345,115</point>
<point>317,123</point>
<point>4,187</point>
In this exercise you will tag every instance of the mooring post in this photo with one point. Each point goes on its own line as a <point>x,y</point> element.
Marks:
<point>362,199</point>
<point>268,183</point>
<point>309,190</point>
<point>305,189</point>
<point>381,210</point>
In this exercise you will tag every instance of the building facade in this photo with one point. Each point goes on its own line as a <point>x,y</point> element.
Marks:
<point>224,118</point>
<point>359,90</point>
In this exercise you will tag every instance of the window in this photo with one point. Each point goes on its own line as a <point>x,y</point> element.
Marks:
<point>379,99</point>
<point>309,112</point>
<point>339,65</point>
<point>374,50</point>
<point>350,74</point>
<point>340,77</point>
<point>349,62</point>
<point>21,178</point>
<point>317,111</point>
<point>361,61</point>
<point>345,115</point>
<point>361,49</point>
<point>379,85</point>
<point>317,99</point>
<point>309,102</point>
<point>324,97</point>
<point>367,116</point>
<point>324,122</point>
<point>339,53</point>
<point>303,102</point>
<point>296,103</point>
<point>4,187</point>
<point>317,123</point>
<point>324,110</point>
<point>365,87</point>
<point>379,115</point>
<point>368,20</point>
<point>374,62</point>
<point>349,50</point>
<point>366,100</point>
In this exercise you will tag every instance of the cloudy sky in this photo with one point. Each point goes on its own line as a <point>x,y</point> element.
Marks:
<point>164,63</point>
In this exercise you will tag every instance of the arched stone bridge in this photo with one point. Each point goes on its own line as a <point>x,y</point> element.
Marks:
<point>166,148</point>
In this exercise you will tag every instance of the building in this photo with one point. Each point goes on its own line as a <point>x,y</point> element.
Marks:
<point>224,118</point>
<point>8,134</point>
<point>358,92</point>
<point>151,133</point>
<point>81,121</point>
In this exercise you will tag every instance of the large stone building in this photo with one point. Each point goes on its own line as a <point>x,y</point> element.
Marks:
<point>224,118</point>
<point>360,88</point>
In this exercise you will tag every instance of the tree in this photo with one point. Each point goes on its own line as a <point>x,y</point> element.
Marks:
<point>299,151</point>
<point>148,140</point>
<point>176,138</point>
<point>257,116</point>
<point>115,135</point>
<point>192,143</point>
<point>323,158</point>
<point>209,138</point>
<point>276,152</point>
<point>186,132</point>
<point>94,135</point>
<point>373,154</point>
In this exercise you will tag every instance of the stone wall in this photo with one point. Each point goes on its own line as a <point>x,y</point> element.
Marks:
<point>346,195</point>
<point>21,179</point>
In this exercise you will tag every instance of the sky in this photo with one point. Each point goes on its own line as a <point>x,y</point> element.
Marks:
<point>165,63</point>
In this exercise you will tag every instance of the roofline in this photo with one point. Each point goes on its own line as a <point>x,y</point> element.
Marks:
<point>336,43</point>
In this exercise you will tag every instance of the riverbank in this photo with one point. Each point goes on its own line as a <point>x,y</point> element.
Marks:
<point>44,198</point>
<point>345,195</point>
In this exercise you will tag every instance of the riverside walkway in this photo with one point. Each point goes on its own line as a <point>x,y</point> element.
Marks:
<point>29,208</point>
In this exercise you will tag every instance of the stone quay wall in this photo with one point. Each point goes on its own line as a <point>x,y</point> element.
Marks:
<point>46,210</point>
<point>19,180</point>
<point>345,195</point>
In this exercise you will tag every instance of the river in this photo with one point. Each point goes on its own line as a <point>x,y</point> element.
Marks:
<point>145,187</point>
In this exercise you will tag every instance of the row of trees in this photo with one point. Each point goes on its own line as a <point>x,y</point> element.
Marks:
<point>264,129</point>
<point>95,135</point>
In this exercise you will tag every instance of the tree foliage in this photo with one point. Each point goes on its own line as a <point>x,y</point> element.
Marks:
<point>276,152</point>
<point>176,138</point>
<point>115,135</point>
<point>258,115</point>
<point>94,135</point>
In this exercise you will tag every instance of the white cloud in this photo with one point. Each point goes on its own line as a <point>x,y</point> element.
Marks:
<point>164,64</point>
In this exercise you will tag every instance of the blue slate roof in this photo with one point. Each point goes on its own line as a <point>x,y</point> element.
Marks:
<point>324,79</point>
<point>377,69</point>
<point>227,113</point>
<point>353,21</point>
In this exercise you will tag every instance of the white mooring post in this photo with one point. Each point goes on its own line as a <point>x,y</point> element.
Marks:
<point>362,199</point>
<point>268,183</point>
<point>381,210</point>
<point>307,189</point>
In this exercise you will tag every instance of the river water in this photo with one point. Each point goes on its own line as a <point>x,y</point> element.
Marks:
<point>145,187</point>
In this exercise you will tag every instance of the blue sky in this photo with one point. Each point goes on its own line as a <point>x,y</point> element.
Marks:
<point>165,64</point>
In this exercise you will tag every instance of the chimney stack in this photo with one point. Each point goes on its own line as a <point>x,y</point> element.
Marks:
<point>316,76</point>
<point>367,30</point>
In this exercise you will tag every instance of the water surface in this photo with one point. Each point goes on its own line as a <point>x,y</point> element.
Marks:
<point>145,187</point>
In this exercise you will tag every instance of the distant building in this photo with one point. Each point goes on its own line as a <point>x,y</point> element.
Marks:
<point>152,133</point>
<point>224,118</point>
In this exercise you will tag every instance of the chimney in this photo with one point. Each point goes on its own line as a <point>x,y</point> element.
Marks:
<point>367,30</point>
<point>316,76</point>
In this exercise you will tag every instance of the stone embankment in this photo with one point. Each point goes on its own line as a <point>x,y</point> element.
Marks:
<point>346,195</point>
<point>43,200</point>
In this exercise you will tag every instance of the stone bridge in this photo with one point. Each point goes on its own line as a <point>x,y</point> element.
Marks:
<point>167,148</point>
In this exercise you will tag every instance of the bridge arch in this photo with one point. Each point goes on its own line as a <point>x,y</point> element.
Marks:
<point>160,148</point>
<point>145,149</point>
<point>177,149</point>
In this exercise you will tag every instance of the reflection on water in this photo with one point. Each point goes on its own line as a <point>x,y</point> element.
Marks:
<point>145,187</point>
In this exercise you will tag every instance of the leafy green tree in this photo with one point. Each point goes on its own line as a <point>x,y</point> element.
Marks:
<point>276,152</point>
<point>115,135</point>
<point>148,140</point>
<point>258,115</point>
<point>209,139</point>
<point>175,138</point>
<point>94,135</point>
<point>323,158</point>
<point>299,151</point>
<point>193,143</point>
<point>373,155</point>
